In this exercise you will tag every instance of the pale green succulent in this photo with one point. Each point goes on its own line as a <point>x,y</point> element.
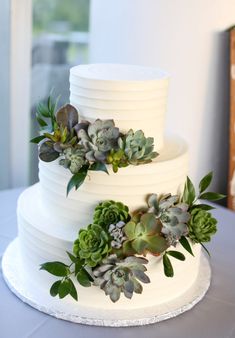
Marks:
<point>74,158</point>
<point>137,148</point>
<point>144,235</point>
<point>117,234</point>
<point>172,214</point>
<point>98,138</point>
<point>116,276</point>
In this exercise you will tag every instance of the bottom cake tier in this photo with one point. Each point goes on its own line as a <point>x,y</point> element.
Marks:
<point>40,241</point>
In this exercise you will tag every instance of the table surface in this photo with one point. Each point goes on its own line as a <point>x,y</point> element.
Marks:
<point>213,317</point>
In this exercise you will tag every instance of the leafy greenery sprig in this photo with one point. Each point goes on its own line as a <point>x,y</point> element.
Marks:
<point>82,146</point>
<point>110,252</point>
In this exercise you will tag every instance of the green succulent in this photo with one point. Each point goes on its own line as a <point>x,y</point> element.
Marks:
<point>98,138</point>
<point>117,159</point>
<point>73,158</point>
<point>144,235</point>
<point>137,148</point>
<point>92,245</point>
<point>117,234</point>
<point>172,214</point>
<point>110,212</point>
<point>201,225</point>
<point>115,276</point>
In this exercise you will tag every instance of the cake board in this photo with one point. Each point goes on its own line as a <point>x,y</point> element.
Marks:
<point>42,301</point>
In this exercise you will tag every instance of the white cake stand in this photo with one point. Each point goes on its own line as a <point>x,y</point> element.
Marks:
<point>41,300</point>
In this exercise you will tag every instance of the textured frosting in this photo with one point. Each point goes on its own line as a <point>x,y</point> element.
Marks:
<point>42,239</point>
<point>130,185</point>
<point>135,97</point>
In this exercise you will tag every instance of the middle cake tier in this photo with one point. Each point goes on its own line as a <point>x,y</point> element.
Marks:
<point>131,185</point>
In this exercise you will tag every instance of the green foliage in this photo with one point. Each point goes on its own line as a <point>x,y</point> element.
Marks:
<point>189,194</point>
<point>205,182</point>
<point>77,179</point>
<point>168,268</point>
<point>211,196</point>
<point>47,153</point>
<point>185,243</point>
<point>144,235</point>
<point>92,245</point>
<point>110,212</point>
<point>56,268</point>
<point>176,254</point>
<point>137,148</point>
<point>201,226</point>
<point>99,166</point>
<point>117,159</point>
<point>116,276</point>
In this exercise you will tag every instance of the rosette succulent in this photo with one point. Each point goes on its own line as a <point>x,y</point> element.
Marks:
<point>137,148</point>
<point>172,214</point>
<point>98,138</point>
<point>115,276</point>
<point>144,235</point>
<point>74,158</point>
<point>201,225</point>
<point>117,159</point>
<point>110,212</point>
<point>92,245</point>
<point>117,234</point>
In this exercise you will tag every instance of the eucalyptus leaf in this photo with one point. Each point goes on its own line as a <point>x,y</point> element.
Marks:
<point>47,153</point>
<point>185,243</point>
<point>56,268</point>
<point>77,179</point>
<point>83,279</point>
<point>54,290</point>
<point>168,268</point>
<point>64,288</point>
<point>37,139</point>
<point>176,254</point>
<point>99,166</point>
<point>189,192</point>
<point>211,196</point>
<point>205,182</point>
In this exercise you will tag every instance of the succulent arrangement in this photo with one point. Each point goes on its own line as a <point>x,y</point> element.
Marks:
<point>82,145</point>
<point>112,252</point>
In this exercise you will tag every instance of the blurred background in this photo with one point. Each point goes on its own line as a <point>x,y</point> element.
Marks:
<point>189,39</point>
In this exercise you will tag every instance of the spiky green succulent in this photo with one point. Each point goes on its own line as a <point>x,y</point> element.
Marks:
<point>144,235</point>
<point>73,158</point>
<point>63,135</point>
<point>116,276</point>
<point>98,138</point>
<point>117,234</point>
<point>172,214</point>
<point>137,148</point>
<point>92,245</point>
<point>201,225</point>
<point>117,159</point>
<point>110,212</point>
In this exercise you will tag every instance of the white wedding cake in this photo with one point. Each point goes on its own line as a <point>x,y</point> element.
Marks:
<point>48,220</point>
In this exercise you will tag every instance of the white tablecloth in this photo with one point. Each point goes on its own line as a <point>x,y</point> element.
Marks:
<point>213,317</point>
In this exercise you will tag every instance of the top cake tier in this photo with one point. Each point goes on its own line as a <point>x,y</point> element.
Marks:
<point>133,96</point>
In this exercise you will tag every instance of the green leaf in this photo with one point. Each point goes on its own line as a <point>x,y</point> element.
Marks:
<point>77,179</point>
<point>205,207</point>
<point>72,257</point>
<point>205,249</point>
<point>189,192</point>
<point>54,290</point>
<point>211,196</point>
<point>73,291</point>
<point>99,166</point>
<point>37,139</point>
<point>47,153</point>
<point>42,110</point>
<point>41,122</point>
<point>83,278</point>
<point>205,182</point>
<point>185,243</point>
<point>64,288</point>
<point>176,254</point>
<point>56,268</point>
<point>168,269</point>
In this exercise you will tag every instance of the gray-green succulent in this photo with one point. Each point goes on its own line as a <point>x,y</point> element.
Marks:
<point>116,276</point>
<point>201,226</point>
<point>117,234</point>
<point>73,158</point>
<point>172,214</point>
<point>137,148</point>
<point>98,138</point>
